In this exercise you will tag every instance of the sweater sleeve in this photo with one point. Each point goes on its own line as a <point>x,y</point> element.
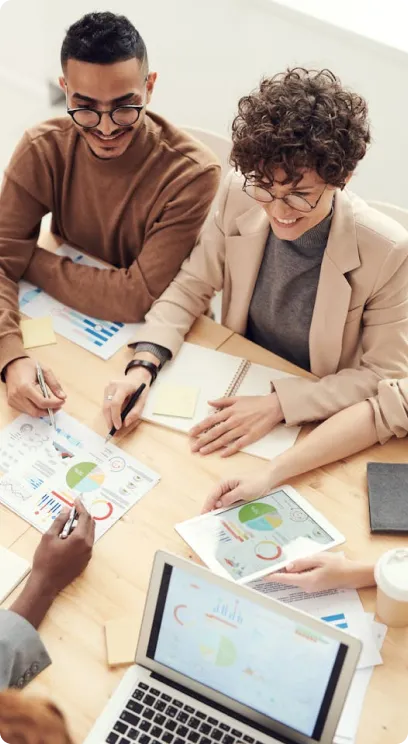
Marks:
<point>390,408</point>
<point>24,200</point>
<point>20,221</point>
<point>131,291</point>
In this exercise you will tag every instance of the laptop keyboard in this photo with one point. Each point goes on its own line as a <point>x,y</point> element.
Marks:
<point>153,717</point>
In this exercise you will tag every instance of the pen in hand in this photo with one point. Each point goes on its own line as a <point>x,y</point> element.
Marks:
<point>69,524</point>
<point>43,388</point>
<point>128,407</point>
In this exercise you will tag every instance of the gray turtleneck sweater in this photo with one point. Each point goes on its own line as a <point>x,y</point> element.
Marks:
<point>282,304</point>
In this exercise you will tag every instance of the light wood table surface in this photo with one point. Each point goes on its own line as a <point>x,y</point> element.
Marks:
<point>115,582</point>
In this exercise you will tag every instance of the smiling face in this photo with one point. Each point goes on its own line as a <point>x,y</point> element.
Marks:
<point>104,88</point>
<point>287,222</point>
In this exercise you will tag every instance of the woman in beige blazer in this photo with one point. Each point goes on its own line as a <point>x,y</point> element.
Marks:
<point>306,267</point>
<point>351,430</point>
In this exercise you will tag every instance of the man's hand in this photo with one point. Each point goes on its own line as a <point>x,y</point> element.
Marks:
<point>56,564</point>
<point>118,392</point>
<point>23,390</point>
<point>238,422</point>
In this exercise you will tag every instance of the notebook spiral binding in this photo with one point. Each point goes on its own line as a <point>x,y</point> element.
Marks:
<point>235,383</point>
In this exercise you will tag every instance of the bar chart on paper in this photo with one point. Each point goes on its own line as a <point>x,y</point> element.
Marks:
<point>101,337</point>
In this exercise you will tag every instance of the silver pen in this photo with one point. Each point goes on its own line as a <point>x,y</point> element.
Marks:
<point>43,388</point>
<point>69,524</point>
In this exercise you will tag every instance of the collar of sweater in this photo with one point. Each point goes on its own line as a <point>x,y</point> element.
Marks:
<point>135,155</point>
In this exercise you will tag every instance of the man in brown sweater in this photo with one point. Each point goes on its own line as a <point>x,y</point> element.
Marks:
<point>121,183</point>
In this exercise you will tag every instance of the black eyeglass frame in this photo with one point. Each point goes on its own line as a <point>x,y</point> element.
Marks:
<point>136,106</point>
<point>273,198</point>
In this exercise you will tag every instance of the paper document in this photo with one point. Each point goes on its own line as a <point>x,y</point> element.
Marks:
<point>340,608</point>
<point>43,470</point>
<point>350,717</point>
<point>37,332</point>
<point>102,337</point>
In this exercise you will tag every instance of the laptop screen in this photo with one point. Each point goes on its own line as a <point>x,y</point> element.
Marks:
<point>246,651</point>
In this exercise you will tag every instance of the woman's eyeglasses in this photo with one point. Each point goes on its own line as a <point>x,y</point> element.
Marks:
<point>299,203</point>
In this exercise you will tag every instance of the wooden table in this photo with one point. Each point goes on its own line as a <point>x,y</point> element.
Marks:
<point>114,585</point>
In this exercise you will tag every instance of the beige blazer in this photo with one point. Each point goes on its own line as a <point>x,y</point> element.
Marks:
<point>359,329</point>
<point>391,409</point>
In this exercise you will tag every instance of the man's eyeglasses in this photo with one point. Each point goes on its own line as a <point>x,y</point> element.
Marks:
<point>122,116</point>
<point>299,203</point>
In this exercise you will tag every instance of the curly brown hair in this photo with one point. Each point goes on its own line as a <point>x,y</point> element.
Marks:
<point>297,120</point>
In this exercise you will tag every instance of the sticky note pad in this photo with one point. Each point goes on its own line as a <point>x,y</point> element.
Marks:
<point>121,641</point>
<point>175,400</point>
<point>37,332</point>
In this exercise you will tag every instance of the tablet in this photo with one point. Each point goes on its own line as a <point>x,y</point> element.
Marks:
<point>249,540</point>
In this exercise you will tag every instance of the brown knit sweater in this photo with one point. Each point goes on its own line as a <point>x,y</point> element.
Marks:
<point>141,212</point>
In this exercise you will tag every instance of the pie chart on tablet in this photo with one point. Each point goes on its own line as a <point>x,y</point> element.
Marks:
<point>85,477</point>
<point>258,516</point>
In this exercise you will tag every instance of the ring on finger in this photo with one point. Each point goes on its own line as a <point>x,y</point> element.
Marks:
<point>109,396</point>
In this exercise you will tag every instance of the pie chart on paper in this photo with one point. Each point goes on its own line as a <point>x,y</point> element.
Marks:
<point>85,477</point>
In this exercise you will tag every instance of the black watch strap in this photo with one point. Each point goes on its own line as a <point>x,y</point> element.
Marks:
<point>153,368</point>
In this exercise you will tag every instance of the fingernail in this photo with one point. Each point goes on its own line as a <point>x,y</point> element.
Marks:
<point>289,566</point>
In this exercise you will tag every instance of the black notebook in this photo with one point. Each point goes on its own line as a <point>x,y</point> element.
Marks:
<point>388,496</point>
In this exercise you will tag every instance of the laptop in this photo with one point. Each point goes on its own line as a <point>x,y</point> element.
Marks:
<point>220,662</point>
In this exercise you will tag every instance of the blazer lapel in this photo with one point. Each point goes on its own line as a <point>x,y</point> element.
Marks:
<point>333,291</point>
<point>244,253</point>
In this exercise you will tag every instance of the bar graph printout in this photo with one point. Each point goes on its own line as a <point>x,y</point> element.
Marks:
<point>101,337</point>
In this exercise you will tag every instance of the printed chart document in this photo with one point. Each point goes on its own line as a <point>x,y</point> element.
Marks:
<point>43,470</point>
<point>350,718</point>
<point>102,337</point>
<point>248,541</point>
<point>340,608</point>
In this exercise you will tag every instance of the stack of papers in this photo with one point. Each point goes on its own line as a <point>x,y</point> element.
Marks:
<point>344,610</point>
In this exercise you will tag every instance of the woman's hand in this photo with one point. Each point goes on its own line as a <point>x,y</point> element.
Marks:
<point>325,571</point>
<point>237,422</point>
<point>118,392</point>
<point>243,488</point>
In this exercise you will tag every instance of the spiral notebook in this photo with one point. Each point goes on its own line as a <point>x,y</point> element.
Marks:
<point>218,375</point>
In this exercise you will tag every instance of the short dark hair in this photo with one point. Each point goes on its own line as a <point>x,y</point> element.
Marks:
<point>300,119</point>
<point>103,38</point>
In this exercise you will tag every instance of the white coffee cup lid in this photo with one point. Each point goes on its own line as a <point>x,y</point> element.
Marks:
<point>391,574</point>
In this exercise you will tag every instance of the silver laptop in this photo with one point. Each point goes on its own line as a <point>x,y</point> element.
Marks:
<point>221,663</point>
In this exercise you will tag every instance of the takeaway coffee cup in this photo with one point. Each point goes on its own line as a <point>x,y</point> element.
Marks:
<point>391,575</point>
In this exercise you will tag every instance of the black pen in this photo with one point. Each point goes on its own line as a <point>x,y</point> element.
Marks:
<point>128,407</point>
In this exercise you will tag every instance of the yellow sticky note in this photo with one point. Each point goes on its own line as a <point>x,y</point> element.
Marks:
<point>121,640</point>
<point>175,400</point>
<point>37,332</point>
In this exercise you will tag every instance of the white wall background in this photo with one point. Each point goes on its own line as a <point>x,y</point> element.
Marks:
<point>210,52</point>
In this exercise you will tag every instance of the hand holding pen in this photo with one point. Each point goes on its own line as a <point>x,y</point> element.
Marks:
<point>128,407</point>
<point>44,390</point>
<point>24,392</point>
